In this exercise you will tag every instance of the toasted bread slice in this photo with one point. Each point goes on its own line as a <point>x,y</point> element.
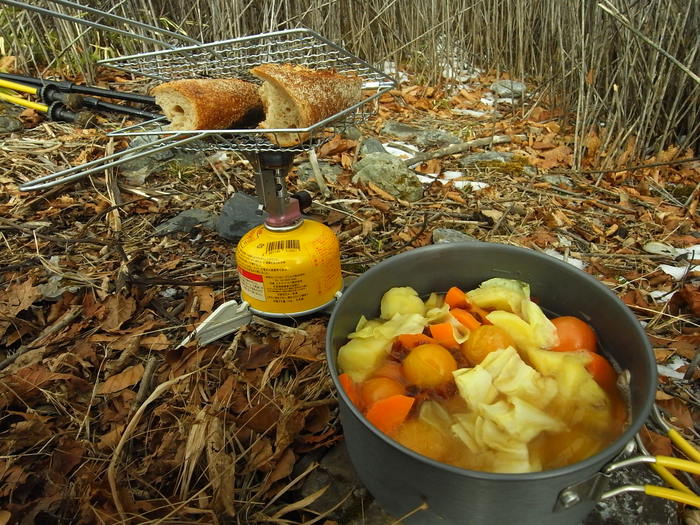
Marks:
<point>295,96</point>
<point>192,104</point>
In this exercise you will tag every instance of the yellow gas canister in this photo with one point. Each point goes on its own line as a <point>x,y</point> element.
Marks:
<point>289,271</point>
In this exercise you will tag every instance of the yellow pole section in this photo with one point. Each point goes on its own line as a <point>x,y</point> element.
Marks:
<point>17,87</point>
<point>23,102</point>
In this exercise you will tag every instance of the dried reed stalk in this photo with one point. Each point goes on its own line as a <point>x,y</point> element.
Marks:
<point>620,68</point>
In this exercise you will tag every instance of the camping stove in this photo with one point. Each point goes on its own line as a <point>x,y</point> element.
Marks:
<point>289,265</point>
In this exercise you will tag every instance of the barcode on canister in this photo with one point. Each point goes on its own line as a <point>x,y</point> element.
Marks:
<point>278,246</point>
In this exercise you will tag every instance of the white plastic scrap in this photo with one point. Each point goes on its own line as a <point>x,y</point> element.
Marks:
<point>677,272</point>
<point>448,176</point>
<point>400,152</point>
<point>488,99</point>
<point>471,112</point>
<point>571,260</point>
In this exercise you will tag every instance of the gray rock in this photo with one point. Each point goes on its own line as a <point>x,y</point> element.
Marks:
<point>306,177</point>
<point>352,133</point>
<point>422,137</point>
<point>400,130</point>
<point>373,515</point>
<point>436,137</point>
<point>508,88</point>
<point>390,174</point>
<point>371,145</point>
<point>10,124</point>
<point>486,157</point>
<point>559,180</point>
<point>238,216</point>
<point>146,162</point>
<point>448,235</point>
<point>186,221</point>
<point>336,472</point>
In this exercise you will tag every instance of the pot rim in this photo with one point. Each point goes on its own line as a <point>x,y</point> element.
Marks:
<point>592,462</point>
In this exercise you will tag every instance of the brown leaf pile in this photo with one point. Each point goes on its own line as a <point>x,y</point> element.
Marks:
<point>105,420</point>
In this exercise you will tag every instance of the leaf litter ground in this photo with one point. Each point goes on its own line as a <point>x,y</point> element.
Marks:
<point>105,420</point>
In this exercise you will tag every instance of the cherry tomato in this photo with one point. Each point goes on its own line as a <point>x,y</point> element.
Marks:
<point>485,339</point>
<point>390,369</point>
<point>378,388</point>
<point>574,334</point>
<point>429,365</point>
<point>423,438</point>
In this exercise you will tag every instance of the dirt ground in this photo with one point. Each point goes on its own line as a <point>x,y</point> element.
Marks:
<point>104,419</point>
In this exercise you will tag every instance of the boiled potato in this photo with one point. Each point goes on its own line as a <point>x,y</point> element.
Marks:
<point>360,357</point>
<point>401,300</point>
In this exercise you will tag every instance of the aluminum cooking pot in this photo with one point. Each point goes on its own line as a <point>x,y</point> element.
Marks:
<point>407,483</point>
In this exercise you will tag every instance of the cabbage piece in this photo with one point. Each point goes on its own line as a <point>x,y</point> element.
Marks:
<point>543,330</point>
<point>438,314</point>
<point>517,328</point>
<point>360,357</point>
<point>434,300</point>
<point>401,324</point>
<point>501,294</point>
<point>483,436</point>
<point>464,428</point>
<point>520,419</point>
<point>397,325</point>
<point>475,386</point>
<point>401,300</point>
<point>580,400</point>
<point>513,377</point>
<point>365,328</point>
<point>434,414</point>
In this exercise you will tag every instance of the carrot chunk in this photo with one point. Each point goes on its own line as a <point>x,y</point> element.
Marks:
<point>456,298</point>
<point>387,414</point>
<point>443,333</point>
<point>351,389</point>
<point>465,318</point>
<point>409,341</point>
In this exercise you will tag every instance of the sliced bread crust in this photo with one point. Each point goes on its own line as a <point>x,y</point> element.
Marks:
<point>295,96</point>
<point>192,104</point>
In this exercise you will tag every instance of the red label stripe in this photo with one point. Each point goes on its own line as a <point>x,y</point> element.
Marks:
<point>251,276</point>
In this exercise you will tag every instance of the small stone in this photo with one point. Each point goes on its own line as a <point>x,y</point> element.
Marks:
<point>371,145</point>
<point>487,157</point>
<point>400,130</point>
<point>389,174</point>
<point>238,216</point>
<point>508,88</point>
<point>186,221</point>
<point>448,235</point>
<point>352,133</point>
<point>335,471</point>
<point>436,137</point>
<point>142,140</point>
<point>559,180</point>
<point>10,125</point>
<point>307,180</point>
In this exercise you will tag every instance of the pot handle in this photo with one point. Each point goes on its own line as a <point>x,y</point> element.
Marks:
<point>595,488</point>
<point>681,493</point>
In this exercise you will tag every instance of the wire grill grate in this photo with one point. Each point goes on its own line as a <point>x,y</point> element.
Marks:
<point>233,59</point>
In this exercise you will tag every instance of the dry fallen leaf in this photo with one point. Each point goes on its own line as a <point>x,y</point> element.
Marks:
<point>125,379</point>
<point>116,310</point>
<point>16,298</point>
